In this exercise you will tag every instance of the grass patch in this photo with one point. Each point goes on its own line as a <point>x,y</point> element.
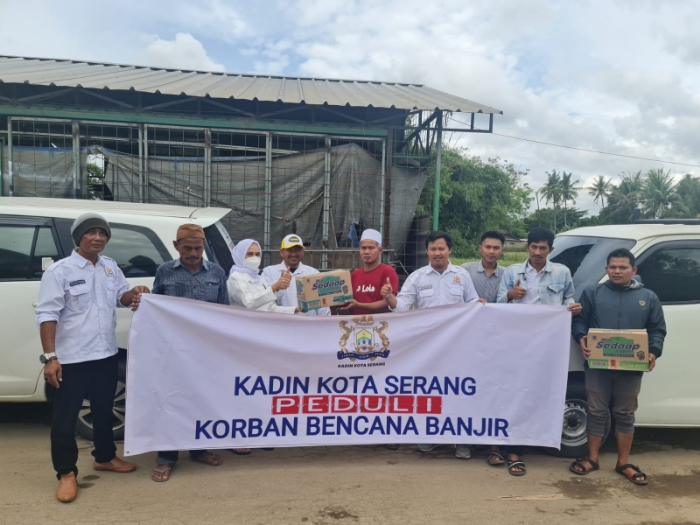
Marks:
<point>508,259</point>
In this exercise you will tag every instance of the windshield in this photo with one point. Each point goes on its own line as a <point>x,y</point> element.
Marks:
<point>586,257</point>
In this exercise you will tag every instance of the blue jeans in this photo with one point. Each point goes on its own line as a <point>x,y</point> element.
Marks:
<point>170,457</point>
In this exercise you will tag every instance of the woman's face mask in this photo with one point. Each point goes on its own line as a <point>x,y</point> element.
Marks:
<point>252,263</point>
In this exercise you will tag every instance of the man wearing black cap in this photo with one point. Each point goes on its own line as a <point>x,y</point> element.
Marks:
<point>76,314</point>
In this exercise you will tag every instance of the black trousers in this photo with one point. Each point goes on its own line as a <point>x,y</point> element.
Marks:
<point>93,380</point>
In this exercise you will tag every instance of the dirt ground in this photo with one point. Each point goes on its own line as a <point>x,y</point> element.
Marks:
<point>347,486</point>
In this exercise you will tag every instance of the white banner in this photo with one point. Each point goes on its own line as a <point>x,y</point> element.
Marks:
<point>205,376</point>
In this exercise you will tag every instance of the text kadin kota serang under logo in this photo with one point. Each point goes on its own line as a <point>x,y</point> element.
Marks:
<point>363,339</point>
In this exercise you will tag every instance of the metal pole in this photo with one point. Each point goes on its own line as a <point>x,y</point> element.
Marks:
<point>382,194</point>
<point>2,148</point>
<point>438,161</point>
<point>268,196</point>
<point>145,163</point>
<point>140,162</point>
<point>77,186</point>
<point>207,167</point>
<point>11,172</point>
<point>326,202</point>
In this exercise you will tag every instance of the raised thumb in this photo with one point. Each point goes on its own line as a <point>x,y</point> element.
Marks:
<point>517,285</point>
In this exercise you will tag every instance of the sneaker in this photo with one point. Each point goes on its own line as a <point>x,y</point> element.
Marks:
<point>463,451</point>
<point>427,448</point>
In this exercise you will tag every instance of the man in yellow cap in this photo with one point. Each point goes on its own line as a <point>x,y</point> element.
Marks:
<point>191,277</point>
<point>281,276</point>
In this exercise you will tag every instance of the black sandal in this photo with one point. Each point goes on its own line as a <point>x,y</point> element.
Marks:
<point>516,464</point>
<point>633,478</point>
<point>584,471</point>
<point>500,460</point>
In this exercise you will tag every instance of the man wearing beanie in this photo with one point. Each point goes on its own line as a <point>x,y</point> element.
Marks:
<point>190,277</point>
<point>76,314</point>
<point>281,276</point>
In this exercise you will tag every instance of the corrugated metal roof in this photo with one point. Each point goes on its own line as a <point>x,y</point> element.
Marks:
<point>290,90</point>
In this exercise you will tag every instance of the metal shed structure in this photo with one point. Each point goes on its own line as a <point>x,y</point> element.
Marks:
<point>324,158</point>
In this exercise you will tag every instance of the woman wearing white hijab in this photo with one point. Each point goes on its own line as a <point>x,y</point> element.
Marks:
<point>246,288</point>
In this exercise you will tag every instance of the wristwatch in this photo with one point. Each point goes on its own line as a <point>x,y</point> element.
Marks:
<point>45,358</point>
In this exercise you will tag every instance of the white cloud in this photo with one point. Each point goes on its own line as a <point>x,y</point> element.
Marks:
<point>213,17</point>
<point>612,75</point>
<point>185,52</point>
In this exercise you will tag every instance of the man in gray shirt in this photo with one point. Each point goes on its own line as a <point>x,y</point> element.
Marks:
<point>486,274</point>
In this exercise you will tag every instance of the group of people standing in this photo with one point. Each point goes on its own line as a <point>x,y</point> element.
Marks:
<point>79,295</point>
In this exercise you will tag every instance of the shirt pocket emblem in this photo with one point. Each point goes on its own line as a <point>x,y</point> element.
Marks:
<point>79,297</point>
<point>642,303</point>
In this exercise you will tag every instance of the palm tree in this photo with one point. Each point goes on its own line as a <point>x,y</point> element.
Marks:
<point>658,192</point>
<point>551,191</point>
<point>600,189</point>
<point>623,201</point>
<point>569,190</point>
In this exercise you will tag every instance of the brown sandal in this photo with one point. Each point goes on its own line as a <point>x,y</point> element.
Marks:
<point>162,470</point>
<point>209,458</point>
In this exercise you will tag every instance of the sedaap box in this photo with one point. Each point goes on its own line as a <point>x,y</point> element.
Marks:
<point>324,289</point>
<point>618,349</point>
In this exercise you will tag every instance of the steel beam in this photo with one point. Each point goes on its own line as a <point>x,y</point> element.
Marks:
<point>10,171</point>
<point>242,125</point>
<point>207,167</point>
<point>326,202</point>
<point>382,193</point>
<point>2,150</point>
<point>268,196</point>
<point>140,162</point>
<point>438,162</point>
<point>145,163</point>
<point>77,181</point>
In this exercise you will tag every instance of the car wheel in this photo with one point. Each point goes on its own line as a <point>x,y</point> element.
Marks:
<point>574,439</point>
<point>84,425</point>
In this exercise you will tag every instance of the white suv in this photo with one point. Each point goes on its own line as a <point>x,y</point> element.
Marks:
<point>668,258</point>
<point>34,233</point>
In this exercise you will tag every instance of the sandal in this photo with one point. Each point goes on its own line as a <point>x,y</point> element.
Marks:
<point>208,458</point>
<point>584,471</point>
<point>634,478</point>
<point>164,471</point>
<point>495,458</point>
<point>512,465</point>
<point>240,451</point>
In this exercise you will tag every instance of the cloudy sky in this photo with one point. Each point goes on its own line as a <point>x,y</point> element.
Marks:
<point>620,76</point>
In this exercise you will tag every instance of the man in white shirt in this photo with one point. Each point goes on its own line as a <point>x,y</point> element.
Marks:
<point>76,314</point>
<point>292,253</point>
<point>437,284</point>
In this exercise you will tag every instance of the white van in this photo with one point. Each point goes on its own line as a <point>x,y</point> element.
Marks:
<point>668,261</point>
<point>34,233</point>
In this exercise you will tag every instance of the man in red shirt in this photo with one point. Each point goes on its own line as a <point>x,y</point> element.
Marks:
<point>367,281</point>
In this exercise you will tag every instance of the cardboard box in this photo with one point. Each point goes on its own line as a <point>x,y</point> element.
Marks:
<point>618,350</point>
<point>324,289</point>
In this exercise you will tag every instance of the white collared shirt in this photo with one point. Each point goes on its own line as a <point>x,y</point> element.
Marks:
<point>428,288</point>
<point>82,298</point>
<point>288,297</point>
<point>533,284</point>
